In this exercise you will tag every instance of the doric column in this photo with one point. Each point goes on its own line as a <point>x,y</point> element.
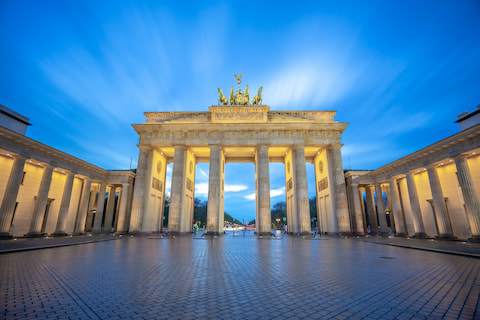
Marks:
<point>382,219</point>
<point>341,203</point>
<point>472,205</point>
<point>138,202</point>
<point>83,206</point>
<point>177,189</point>
<point>97,223</point>
<point>41,203</point>
<point>214,186</point>
<point>397,208</point>
<point>415,205</point>
<point>443,222</point>
<point>91,208</point>
<point>361,190</point>
<point>10,196</point>
<point>60,230</point>
<point>110,210</point>
<point>386,188</point>
<point>122,212</point>
<point>357,208</point>
<point>301,192</point>
<point>371,212</point>
<point>264,226</point>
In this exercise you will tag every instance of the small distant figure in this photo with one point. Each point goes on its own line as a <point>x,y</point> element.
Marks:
<point>285,229</point>
<point>195,228</point>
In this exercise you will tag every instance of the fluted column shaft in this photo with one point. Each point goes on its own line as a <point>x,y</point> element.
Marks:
<point>362,206</point>
<point>214,186</point>
<point>341,203</point>
<point>138,202</point>
<point>397,208</point>
<point>301,192</point>
<point>10,196</point>
<point>97,224</point>
<point>371,212</point>
<point>382,219</point>
<point>110,209</point>
<point>357,209</point>
<point>41,203</point>
<point>415,205</point>
<point>263,180</point>
<point>443,223</point>
<point>177,189</point>
<point>83,206</point>
<point>60,229</point>
<point>122,212</point>
<point>470,197</point>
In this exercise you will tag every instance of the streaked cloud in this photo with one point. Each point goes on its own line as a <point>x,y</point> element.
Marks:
<point>235,187</point>
<point>273,193</point>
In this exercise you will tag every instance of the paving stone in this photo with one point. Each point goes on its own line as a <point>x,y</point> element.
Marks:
<point>238,278</point>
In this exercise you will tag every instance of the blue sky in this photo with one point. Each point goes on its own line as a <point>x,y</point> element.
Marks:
<point>83,71</point>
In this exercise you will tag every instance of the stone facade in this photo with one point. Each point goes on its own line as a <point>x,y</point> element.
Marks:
<point>240,134</point>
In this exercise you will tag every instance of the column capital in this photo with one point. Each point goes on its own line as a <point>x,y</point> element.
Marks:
<point>81,176</point>
<point>393,179</point>
<point>64,171</point>
<point>47,165</point>
<point>144,148</point>
<point>335,146</point>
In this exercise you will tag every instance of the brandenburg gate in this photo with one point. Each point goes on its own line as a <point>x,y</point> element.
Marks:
<point>239,133</point>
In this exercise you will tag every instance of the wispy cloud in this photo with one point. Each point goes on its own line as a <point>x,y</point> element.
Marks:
<point>201,189</point>
<point>235,187</point>
<point>273,193</point>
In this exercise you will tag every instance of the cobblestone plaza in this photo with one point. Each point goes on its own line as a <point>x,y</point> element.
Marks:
<point>238,277</point>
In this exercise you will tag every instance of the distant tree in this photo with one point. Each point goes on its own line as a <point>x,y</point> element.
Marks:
<point>251,222</point>
<point>200,211</point>
<point>313,210</point>
<point>279,211</point>
<point>230,219</point>
<point>165,211</point>
<point>313,207</point>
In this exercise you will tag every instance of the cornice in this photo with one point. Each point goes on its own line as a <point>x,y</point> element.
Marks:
<point>20,144</point>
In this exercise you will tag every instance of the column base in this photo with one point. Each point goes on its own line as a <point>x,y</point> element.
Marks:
<point>445,237</point>
<point>35,235</point>
<point>5,235</point>
<point>475,238</point>
<point>59,234</point>
<point>420,235</point>
<point>78,234</point>
<point>262,235</point>
<point>402,235</point>
<point>305,234</point>
<point>211,234</point>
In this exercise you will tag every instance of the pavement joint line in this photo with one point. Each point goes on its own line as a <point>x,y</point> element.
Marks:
<point>464,254</point>
<point>55,245</point>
